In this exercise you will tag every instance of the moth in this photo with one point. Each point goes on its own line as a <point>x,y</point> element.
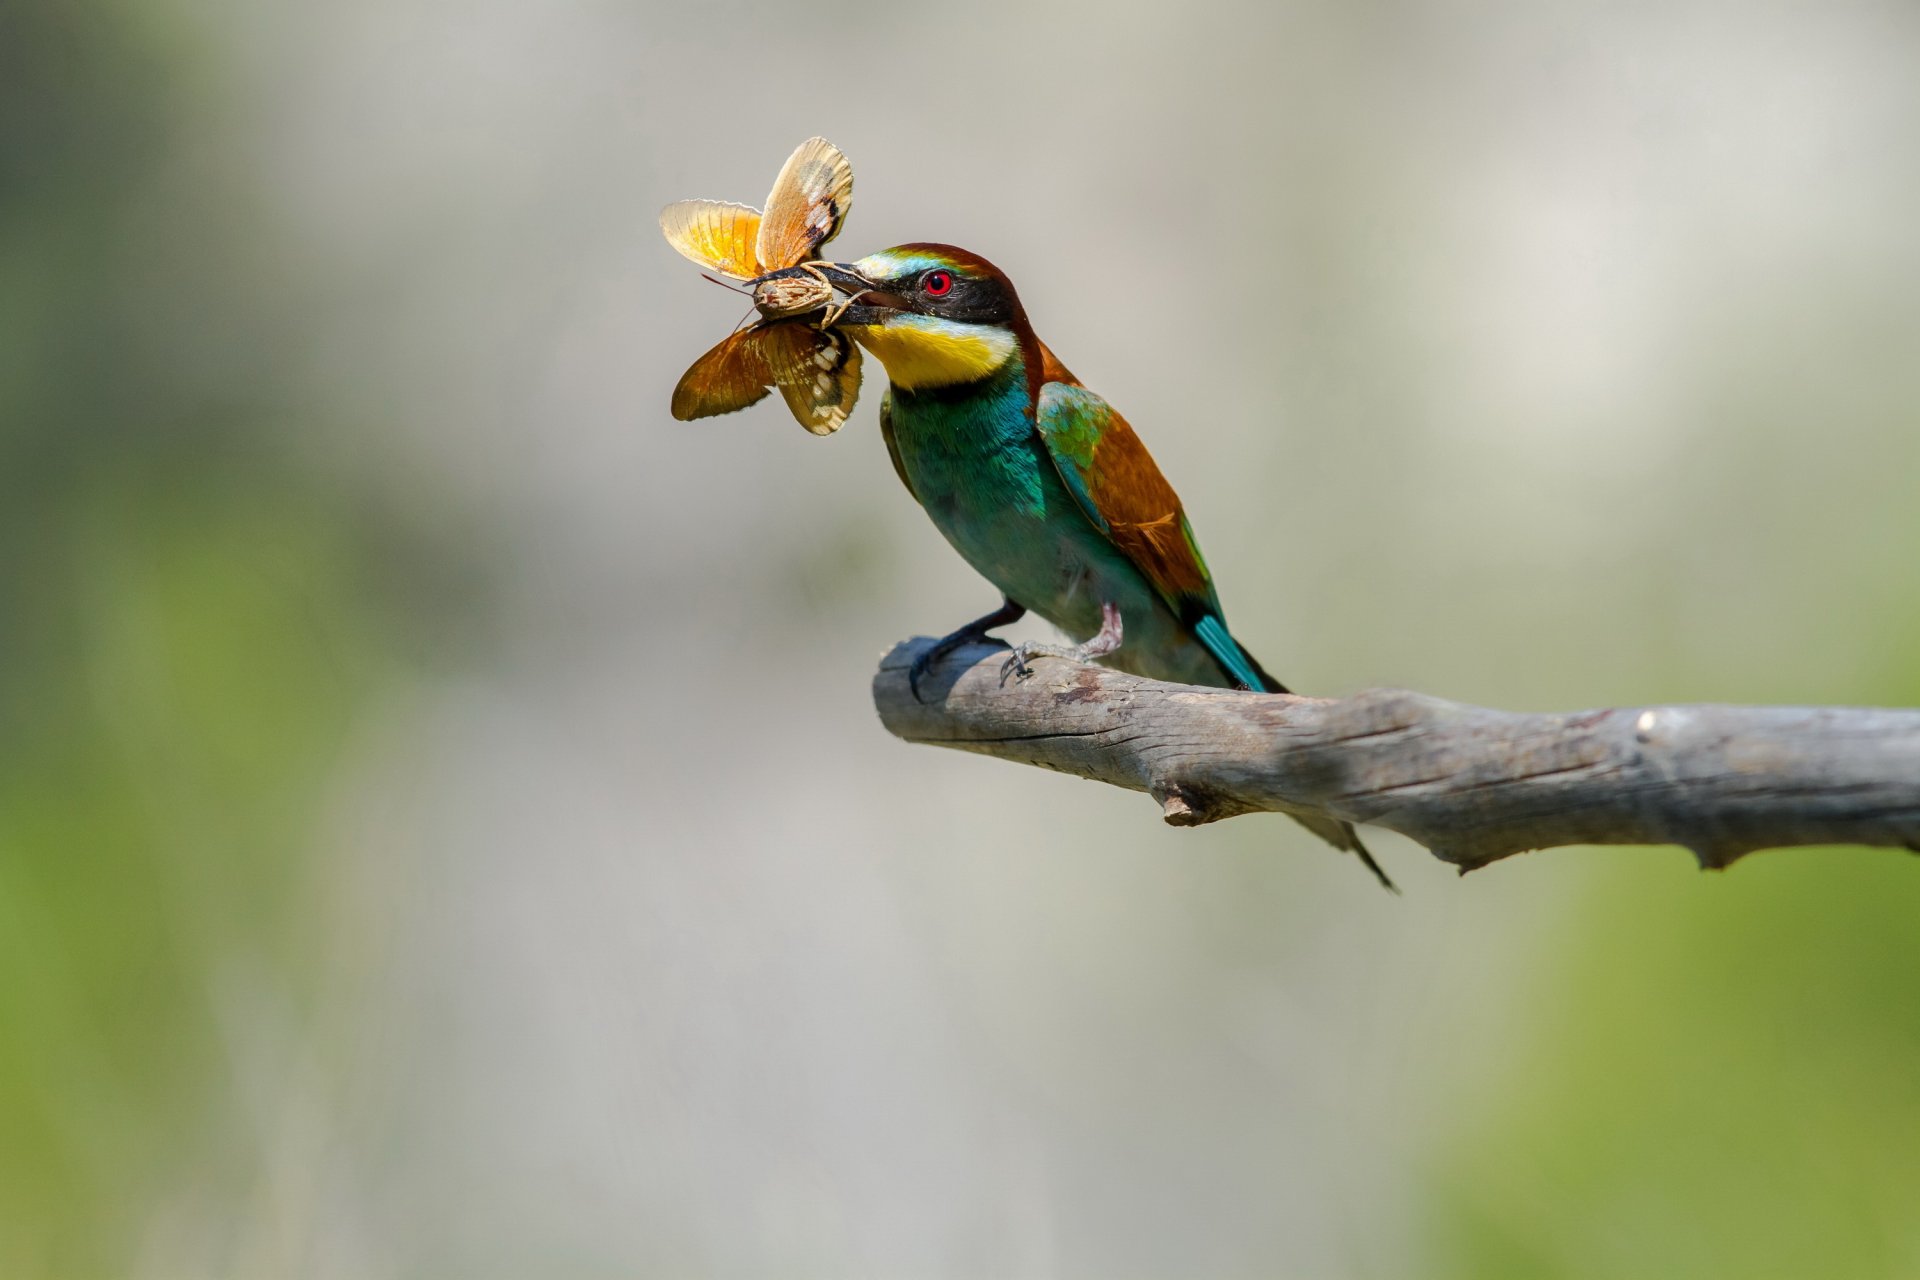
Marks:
<point>815,368</point>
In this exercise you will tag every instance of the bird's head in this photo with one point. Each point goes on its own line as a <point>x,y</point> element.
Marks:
<point>934,315</point>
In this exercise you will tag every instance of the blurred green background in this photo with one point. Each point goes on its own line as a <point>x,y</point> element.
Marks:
<point>443,830</point>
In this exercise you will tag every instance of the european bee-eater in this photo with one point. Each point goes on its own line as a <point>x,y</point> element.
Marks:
<point>1038,482</point>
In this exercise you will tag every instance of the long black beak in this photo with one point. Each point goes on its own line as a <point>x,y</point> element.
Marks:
<point>870,302</point>
<point>845,278</point>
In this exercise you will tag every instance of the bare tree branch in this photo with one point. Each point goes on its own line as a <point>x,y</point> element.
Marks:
<point>1471,784</point>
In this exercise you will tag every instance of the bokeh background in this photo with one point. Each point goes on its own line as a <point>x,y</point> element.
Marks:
<point>443,828</point>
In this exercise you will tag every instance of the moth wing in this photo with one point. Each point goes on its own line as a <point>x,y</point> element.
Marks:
<point>717,235</point>
<point>808,203</point>
<point>818,373</point>
<point>728,378</point>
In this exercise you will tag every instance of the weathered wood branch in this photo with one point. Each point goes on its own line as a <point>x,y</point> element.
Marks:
<point>1471,784</point>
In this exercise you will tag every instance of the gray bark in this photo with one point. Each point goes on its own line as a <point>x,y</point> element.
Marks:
<point>1472,785</point>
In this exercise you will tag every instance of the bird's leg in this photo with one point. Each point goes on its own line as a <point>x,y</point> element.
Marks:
<point>973,633</point>
<point>1103,643</point>
<point>830,316</point>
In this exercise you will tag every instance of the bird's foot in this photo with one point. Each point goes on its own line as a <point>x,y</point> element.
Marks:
<point>939,649</point>
<point>1103,643</point>
<point>974,632</point>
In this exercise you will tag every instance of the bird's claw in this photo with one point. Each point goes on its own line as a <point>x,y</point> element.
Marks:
<point>1019,664</point>
<point>1016,664</point>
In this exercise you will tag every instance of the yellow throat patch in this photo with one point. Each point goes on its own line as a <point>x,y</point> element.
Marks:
<point>927,351</point>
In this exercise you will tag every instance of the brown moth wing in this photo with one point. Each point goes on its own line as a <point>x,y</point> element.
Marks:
<point>819,380</point>
<point>719,236</point>
<point>727,378</point>
<point>816,370</point>
<point>809,200</point>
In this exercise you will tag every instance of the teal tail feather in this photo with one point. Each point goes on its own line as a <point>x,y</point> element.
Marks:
<point>1212,633</point>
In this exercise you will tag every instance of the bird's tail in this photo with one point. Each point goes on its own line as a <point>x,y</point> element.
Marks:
<point>1240,664</point>
<point>1241,667</point>
<point>1343,837</point>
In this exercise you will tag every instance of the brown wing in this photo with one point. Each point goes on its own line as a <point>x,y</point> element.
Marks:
<point>1121,490</point>
<point>816,371</point>
<point>809,200</point>
<point>717,235</point>
<point>727,378</point>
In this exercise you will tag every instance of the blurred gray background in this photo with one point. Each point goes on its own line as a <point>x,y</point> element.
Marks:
<point>443,827</point>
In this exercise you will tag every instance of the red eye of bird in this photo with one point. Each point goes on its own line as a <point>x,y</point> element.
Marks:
<point>938,284</point>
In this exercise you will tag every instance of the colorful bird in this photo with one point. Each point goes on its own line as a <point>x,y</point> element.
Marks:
<point>1039,483</point>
